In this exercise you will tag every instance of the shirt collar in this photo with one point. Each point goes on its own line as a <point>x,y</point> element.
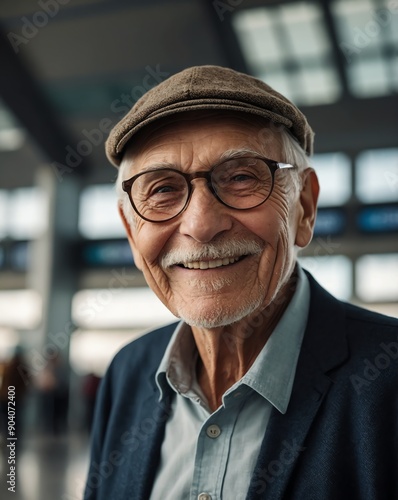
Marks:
<point>177,368</point>
<point>272,373</point>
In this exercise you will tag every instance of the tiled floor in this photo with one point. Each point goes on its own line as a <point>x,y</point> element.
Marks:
<point>48,468</point>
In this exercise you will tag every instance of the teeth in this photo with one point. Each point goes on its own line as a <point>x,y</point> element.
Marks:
<point>211,264</point>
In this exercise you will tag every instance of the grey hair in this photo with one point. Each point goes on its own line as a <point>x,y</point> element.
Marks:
<point>292,151</point>
<point>122,197</point>
<point>295,155</point>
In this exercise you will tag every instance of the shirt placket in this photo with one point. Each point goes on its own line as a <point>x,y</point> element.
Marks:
<point>212,453</point>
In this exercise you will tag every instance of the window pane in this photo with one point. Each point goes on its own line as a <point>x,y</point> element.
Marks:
<point>281,81</point>
<point>12,136</point>
<point>20,256</point>
<point>334,173</point>
<point>318,85</point>
<point>377,176</point>
<point>98,216</point>
<point>256,31</point>
<point>305,30</point>
<point>382,219</point>
<point>369,77</point>
<point>119,307</point>
<point>356,26</point>
<point>3,213</point>
<point>377,277</point>
<point>20,309</point>
<point>330,221</point>
<point>27,213</point>
<point>91,351</point>
<point>9,340</point>
<point>333,272</point>
<point>107,253</point>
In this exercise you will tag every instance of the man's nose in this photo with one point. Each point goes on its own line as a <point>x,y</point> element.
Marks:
<point>205,217</point>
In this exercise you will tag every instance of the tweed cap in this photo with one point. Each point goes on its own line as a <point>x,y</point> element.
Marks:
<point>208,88</point>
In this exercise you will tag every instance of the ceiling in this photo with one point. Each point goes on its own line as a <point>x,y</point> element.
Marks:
<point>68,69</point>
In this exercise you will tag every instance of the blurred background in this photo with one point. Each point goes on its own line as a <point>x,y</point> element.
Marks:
<point>70,295</point>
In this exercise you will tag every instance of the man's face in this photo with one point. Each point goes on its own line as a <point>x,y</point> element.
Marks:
<point>213,265</point>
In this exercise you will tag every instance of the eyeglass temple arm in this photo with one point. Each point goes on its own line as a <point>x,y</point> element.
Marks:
<point>285,165</point>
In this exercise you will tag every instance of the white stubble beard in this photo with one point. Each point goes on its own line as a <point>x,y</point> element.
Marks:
<point>220,314</point>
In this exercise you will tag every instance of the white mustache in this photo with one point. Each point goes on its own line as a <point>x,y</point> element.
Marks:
<point>211,251</point>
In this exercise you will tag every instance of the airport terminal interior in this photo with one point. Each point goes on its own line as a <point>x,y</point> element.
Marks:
<point>70,295</point>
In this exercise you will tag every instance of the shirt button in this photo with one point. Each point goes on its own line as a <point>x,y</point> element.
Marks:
<point>213,431</point>
<point>204,496</point>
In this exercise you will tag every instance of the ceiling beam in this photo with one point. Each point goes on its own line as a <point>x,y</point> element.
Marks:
<point>337,53</point>
<point>353,125</point>
<point>219,15</point>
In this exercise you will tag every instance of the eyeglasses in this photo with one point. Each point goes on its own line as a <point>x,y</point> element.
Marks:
<point>160,194</point>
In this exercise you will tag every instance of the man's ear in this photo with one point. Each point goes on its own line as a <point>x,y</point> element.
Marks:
<point>127,226</point>
<point>308,204</point>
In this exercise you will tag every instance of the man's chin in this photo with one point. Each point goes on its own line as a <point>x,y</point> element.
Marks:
<point>219,318</point>
<point>209,286</point>
<point>209,324</point>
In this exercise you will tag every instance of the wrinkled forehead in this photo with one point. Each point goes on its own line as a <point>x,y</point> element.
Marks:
<point>262,131</point>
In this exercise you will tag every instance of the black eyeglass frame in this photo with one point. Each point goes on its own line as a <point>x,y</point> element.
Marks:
<point>203,174</point>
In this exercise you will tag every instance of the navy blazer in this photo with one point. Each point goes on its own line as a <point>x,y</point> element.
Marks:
<point>337,440</point>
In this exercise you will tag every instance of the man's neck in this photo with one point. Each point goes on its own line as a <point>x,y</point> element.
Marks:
<point>227,353</point>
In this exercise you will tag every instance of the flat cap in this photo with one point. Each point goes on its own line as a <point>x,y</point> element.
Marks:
<point>208,88</point>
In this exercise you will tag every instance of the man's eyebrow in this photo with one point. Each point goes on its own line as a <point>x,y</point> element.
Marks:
<point>158,165</point>
<point>230,154</point>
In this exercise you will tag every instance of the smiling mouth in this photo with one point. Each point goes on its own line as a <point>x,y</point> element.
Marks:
<point>211,264</point>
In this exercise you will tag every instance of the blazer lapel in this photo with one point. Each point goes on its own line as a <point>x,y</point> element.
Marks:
<point>324,348</point>
<point>151,421</point>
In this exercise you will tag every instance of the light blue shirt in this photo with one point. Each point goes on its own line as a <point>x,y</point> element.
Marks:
<point>209,456</point>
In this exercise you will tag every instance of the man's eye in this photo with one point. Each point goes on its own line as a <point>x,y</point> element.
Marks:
<point>166,190</point>
<point>164,186</point>
<point>163,189</point>
<point>241,177</point>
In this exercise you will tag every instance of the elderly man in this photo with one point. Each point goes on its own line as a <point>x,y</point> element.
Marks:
<point>268,387</point>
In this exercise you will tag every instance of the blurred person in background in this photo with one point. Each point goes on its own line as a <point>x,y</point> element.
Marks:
<point>268,387</point>
<point>52,385</point>
<point>89,388</point>
<point>13,375</point>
